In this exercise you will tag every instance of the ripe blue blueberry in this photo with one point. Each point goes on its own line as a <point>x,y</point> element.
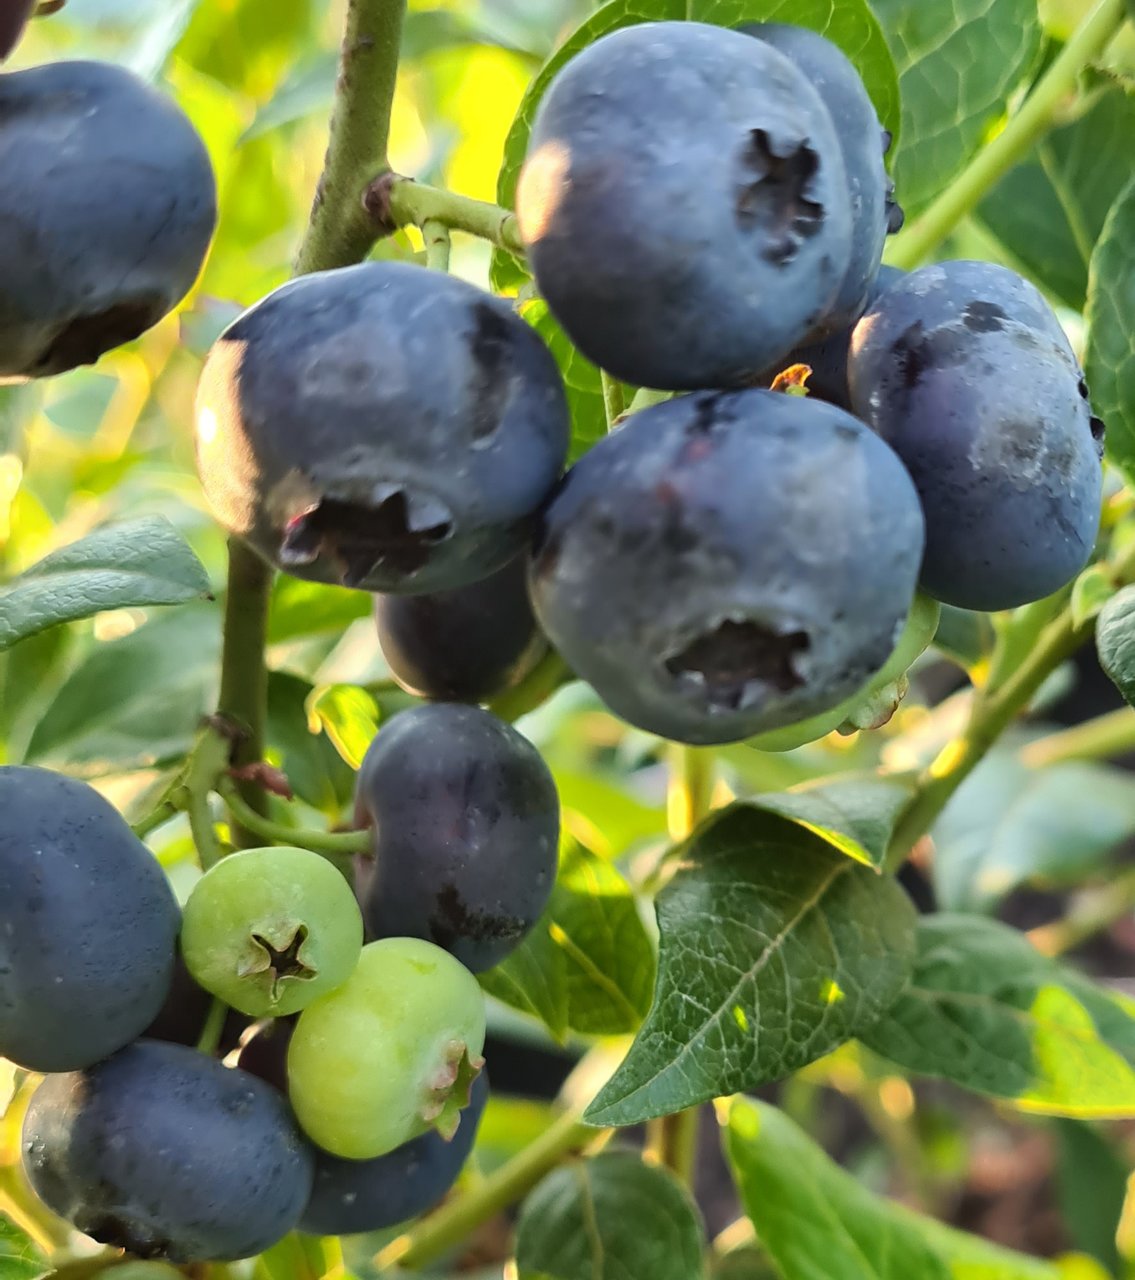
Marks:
<point>165,1152</point>
<point>466,821</point>
<point>684,205</point>
<point>863,143</point>
<point>381,426</point>
<point>965,371</point>
<point>369,1195</point>
<point>108,203</point>
<point>88,924</point>
<point>726,564</point>
<point>465,645</point>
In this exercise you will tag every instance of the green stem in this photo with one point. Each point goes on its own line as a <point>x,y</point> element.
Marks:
<point>400,202</point>
<point>450,1225</point>
<point>534,690</point>
<point>994,709</point>
<point>161,813</point>
<point>693,775</point>
<point>614,399</point>
<point>244,675</point>
<point>210,1037</point>
<point>334,844</point>
<point>340,231</point>
<point>1034,118</point>
<point>206,762</point>
<point>1101,738</point>
<point>990,718</point>
<point>436,237</point>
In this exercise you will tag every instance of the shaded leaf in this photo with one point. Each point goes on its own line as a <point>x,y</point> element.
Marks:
<point>308,90</point>
<point>1091,1181</point>
<point>1049,211</point>
<point>818,1222</point>
<point>120,566</point>
<point>1009,824</point>
<point>588,965</point>
<point>1110,357</point>
<point>533,979</point>
<point>603,815</point>
<point>316,771</point>
<point>609,1218</point>
<point>1115,641</point>
<point>774,949</point>
<point>135,702</point>
<point>855,813</point>
<point>985,1009</point>
<point>958,63</point>
<point>965,636</point>
<point>848,23</point>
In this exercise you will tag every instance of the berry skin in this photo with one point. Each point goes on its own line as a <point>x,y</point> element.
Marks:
<point>684,205</point>
<point>964,370</point>
<point>725,564</point>
<point>381,426</point>
<point>390,1054</point>
<point>369,1195</point>
<point>88,924</point>
<point>465,645</point>
<point>466,823</point>
<point>863,143</point>
<point>828,358</point>
<point>270,930</point>
<point>165,1152</point>
<point>108,203</point>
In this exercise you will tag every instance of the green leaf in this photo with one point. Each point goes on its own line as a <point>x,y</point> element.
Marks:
<point>964,636</point>
<point>608,958</point>
<point>20,1257</point>
<point>1091,1180</point>
<point>1010,824</point>
<point>120,566</point>
<point>1115,641</point>
<point>308,90</point>
<point>1090,592</point>
<point>348,715</point>
<point>301,609</point>
<point>604,816</point>
<point>588,965</point>
<point>818,1222</point>
<point>854,812</point>
<point>959,62</point>
<point>534,980</point>
<point>316,771</point>
<point>582,380</point>
<point>610,1218</point>
<point>135,702</point>
<point>1110,357</point>
<point>985,1009</point>
<point>848,23</point>
<point>774,949</point>
<point>1049,211</point>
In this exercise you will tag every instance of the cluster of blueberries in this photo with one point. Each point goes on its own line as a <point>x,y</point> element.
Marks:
<point>727,562</point>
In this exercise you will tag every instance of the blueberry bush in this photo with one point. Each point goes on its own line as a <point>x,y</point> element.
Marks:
<point>586,546</point>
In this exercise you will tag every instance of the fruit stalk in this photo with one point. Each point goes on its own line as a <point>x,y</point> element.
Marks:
<point>922,237</point>
<point>337,846</point>
<point>398,202</point>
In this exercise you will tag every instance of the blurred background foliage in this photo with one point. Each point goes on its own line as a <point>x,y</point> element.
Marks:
<point>1036,835</point>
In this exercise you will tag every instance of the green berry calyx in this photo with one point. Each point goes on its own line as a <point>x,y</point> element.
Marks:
<point>279,958</point>
<point>448,1091</point>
